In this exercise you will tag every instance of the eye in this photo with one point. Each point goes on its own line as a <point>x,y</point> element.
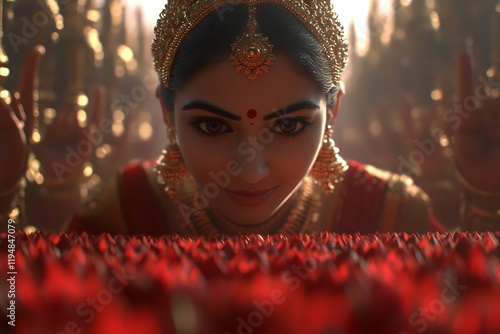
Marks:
<point>210,126</point>
<point>291,126</point>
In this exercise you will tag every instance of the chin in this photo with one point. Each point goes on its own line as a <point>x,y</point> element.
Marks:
<point>251,214</point>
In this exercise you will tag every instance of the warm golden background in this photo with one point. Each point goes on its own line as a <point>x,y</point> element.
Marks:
<point>400,80</point>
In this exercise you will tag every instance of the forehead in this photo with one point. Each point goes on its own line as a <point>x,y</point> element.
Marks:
<point>223,85</point>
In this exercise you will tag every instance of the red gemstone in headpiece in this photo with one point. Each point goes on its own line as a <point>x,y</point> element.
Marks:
<point>252,113</point>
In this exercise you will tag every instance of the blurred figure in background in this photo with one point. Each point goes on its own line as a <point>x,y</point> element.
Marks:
<point>399,112</point>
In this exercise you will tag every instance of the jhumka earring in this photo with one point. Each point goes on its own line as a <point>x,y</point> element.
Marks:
<point>170,167</point>
<point>329,168</point>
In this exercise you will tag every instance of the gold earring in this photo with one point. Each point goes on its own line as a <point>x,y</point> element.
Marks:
<point>170,166</point>
<point>329,167</point>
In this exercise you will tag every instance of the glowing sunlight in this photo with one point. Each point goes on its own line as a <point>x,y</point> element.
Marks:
<point>348,10</point>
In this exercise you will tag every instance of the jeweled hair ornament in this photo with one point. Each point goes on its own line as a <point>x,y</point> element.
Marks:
<point>180,16</point>
<point>252,53</point>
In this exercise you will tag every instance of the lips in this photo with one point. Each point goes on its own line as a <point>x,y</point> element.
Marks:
<point>250,198</point>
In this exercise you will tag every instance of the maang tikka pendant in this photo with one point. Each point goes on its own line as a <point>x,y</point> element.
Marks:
<point>252,53</point>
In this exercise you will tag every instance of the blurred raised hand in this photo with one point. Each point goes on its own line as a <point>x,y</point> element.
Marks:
<point>66,146</point>
<point>60,156</point>
<point>476,146</point>
<point>476,130</point>
<point>16,124</point>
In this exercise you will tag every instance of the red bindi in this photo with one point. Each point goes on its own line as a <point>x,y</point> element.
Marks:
<point>252,113</point>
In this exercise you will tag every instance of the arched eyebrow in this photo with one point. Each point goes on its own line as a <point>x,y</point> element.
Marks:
<point>302,105</point>
<point>210,108</point>
<point>224,113</point>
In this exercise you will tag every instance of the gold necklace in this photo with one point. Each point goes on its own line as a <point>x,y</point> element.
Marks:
<point>298,215</point>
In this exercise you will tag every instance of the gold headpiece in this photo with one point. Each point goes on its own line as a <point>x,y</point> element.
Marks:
<point>180,16</point>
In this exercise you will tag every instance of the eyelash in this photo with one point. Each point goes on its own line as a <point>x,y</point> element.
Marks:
<point>197,122</point>
<point>304,121</point>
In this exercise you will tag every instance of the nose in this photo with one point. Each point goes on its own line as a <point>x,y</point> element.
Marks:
<point>253,166</point>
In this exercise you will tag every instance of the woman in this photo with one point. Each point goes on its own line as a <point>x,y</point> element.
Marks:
<point>249,94</point>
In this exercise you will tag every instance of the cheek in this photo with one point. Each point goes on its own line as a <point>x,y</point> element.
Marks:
<point>292,159</point>
<point>202,156</point>
<point>299,157</point>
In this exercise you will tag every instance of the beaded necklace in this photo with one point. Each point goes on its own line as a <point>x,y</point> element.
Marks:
<point>298,215</point>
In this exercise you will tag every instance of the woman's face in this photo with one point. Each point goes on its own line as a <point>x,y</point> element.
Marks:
<point>249,143</point>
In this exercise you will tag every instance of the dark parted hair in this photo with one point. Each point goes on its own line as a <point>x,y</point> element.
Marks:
<point>210,42</point>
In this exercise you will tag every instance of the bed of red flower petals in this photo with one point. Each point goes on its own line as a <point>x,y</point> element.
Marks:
<point>325,283</point>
